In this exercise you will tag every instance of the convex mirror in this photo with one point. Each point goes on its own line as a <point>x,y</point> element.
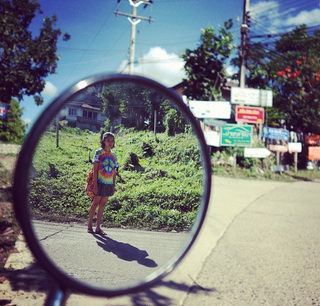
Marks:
<point>161,194</point>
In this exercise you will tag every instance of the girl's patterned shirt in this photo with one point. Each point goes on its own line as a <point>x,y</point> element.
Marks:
<point>107,165</point>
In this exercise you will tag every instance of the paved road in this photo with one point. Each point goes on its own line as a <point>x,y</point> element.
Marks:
<point>270,254</point>
<point>121,258</point>
<point>260,245</point>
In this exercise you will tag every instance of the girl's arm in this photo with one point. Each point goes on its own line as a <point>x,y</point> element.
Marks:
<point>95,177</point>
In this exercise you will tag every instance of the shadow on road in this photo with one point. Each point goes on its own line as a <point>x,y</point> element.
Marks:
<point>32,278</point>
<point>152,298</point>
<point>125,251</point>
<point>300,178</point>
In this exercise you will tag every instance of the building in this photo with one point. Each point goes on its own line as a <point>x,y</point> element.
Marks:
<point>84,111</point>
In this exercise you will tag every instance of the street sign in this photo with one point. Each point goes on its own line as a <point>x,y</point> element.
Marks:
<point>212,138</point>
<point>3,111</point>
<point>278,148</point>
<point>313,140</point>
<point>249,114</point>
<point>256,152</point>
<point>235,135</point>
<point>210,109</point>
<point>294,147</point>
<point>314,153</point>
<point>273,133</point>
<point>251,96</point>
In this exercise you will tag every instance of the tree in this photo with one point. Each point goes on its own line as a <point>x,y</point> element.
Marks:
<point>292,70</point>
<point>295,76</point>
<point>204,66</point>
<point>12,127</point>
<point>25,60</point>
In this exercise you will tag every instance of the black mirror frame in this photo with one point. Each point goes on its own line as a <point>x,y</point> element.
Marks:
<point>20,188</point>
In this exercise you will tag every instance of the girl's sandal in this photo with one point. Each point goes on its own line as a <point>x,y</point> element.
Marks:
<point>101,232</point>
<point>90,230</point>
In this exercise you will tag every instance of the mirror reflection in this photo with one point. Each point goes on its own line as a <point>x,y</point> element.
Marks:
<point>147,184</point>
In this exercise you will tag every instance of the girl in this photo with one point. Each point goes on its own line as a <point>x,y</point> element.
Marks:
<point>105,165</point>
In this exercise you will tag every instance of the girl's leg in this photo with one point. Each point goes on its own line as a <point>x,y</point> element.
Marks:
<point>95,203</point>
<point>102,203</point>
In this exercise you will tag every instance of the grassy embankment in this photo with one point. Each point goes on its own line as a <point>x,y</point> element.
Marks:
<point>160,190</point>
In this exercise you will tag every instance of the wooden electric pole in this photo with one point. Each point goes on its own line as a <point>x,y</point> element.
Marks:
<point>243,46</point>
<point>134,20</point>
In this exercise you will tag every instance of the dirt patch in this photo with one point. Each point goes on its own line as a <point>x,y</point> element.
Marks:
<point>8,162</point>
<point>9,231</point>
<point>9,228</point>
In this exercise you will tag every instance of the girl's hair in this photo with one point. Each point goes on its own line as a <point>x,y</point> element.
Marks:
<point>104,137</point>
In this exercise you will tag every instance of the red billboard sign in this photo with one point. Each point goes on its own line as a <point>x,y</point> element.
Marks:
<point>312,140</point>
<point>249,114</point>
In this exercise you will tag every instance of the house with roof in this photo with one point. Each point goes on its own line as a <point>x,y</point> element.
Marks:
<point>84,111</point>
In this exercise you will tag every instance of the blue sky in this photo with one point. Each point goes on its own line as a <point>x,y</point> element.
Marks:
<point>100,40</point>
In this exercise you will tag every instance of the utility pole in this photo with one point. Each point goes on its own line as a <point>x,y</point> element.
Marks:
<point>244,36</point>
<point>134,20</point>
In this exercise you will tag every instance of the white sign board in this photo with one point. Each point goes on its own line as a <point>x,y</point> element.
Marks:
<point>210,109</point>
<point>251,96</point>
<point>212,138</point>
<point>294,147</point>
<point>256,152</point>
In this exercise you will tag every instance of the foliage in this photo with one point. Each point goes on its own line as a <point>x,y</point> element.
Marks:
<point>292,70</point>
<point>204,66</point>
<point>25,59</point>
<point>12,127</point>
<point>137,106</point>
<point>297,88</point>
<point>162,189</point>
<point>174,122</point>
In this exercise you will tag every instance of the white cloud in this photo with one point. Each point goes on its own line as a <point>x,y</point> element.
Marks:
<point>305,17</point>
<point>158,64</point>
<point>49,90</point>
<point>231,70</point>
<point>266,16</point>
<point>27,121</point>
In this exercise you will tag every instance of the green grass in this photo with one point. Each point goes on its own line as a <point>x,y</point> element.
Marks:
<point>164,195</point>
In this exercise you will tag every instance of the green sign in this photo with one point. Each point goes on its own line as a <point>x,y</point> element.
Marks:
<point>235,135</point>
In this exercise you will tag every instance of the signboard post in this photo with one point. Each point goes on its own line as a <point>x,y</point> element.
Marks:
<point>251,96</point>
<point>235,135</point>
<point>295,148</point>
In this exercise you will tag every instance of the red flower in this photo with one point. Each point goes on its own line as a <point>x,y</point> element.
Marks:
<point>298,63</point>
<point>304,58</point>
<point>312,60</point>
<point>287,69</point>
<point>281,73</point>
<point>297,73</point>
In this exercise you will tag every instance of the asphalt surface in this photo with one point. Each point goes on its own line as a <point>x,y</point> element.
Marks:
<point>270,254</point>
<point>122,257</point>
<point>260,245</point>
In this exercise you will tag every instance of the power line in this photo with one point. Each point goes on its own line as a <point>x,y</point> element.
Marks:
<point>271,35</point>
